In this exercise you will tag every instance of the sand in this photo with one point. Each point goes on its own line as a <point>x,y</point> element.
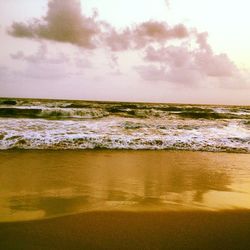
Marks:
<point>144,187</point>
<point>130,230</point>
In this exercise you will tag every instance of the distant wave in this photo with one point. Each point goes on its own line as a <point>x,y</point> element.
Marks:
<point>87,110</point>
<point>36,124</point>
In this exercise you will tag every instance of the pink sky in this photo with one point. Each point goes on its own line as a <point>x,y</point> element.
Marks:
<point>68,54</point>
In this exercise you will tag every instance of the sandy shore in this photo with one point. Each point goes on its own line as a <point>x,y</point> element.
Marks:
<point>126,230</point>
<point>136,200</point>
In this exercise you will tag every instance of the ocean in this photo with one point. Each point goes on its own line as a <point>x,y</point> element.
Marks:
<point>67,124</point>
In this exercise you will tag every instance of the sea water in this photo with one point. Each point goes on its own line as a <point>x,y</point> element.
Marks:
<point>61,124</point>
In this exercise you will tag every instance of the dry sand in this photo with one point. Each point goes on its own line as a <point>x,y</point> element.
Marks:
<point>130,230</point>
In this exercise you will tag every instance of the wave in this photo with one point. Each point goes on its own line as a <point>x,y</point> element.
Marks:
<point>51,113</point>
<point>94,112</point>
<point>57,124</point>
<point>124,134</point>
<point>101,142</point>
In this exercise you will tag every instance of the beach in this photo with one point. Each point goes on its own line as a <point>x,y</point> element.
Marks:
<point>128,230</point>
<point>124,199</point>
<point>124,125</point>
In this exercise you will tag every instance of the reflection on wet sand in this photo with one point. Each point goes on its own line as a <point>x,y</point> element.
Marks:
<point>39,184</point>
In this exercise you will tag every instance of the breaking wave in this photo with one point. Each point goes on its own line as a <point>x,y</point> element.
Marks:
<point>36,124</point>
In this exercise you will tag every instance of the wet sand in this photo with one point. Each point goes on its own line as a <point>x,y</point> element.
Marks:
<point>130,230</point>
<point>124,200</point>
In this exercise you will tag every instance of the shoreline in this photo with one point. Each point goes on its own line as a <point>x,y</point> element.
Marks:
<point>132,230</point>
<point>122,150</point>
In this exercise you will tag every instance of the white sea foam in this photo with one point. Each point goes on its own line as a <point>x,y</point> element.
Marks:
<point>125,133</point>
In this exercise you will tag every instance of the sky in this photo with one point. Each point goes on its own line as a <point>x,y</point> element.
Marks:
<point>172,51</point>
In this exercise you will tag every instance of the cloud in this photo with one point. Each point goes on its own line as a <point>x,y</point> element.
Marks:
<point>142,35</point>
<point>22,30</point>
<point>152,72</point>
<point>172,55</point>
<point>215,65</point>
<point>82,63</point>
<point>64,22</point>
<point>160,31</point>
<point>167,3</point>
<point>41,56</point>
<point>117,41</point>
<point>201,40</point>
<point>193,62</point>
<point>190,66</point>
<point>46,63</point>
